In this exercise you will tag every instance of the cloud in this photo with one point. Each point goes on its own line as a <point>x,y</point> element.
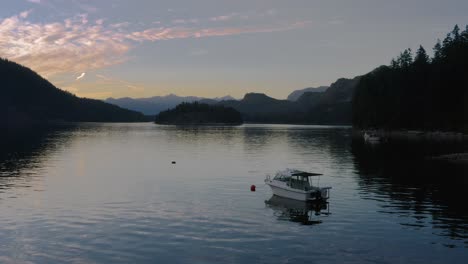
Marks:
<point>70,46</point>
<point>81,76</point>
<point>225,17</point>
<point>34,1</point>
<point>25,14</point>
<point>167,33</point>
<point>236,15</point>
<point>79,45</point>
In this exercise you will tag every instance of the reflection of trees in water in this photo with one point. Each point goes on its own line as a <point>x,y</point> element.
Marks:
<point>322,142</point>
<point>23,151</point>
<point>259,138</point>
<point>416,186</point>
<point>305,213</point>
<point>188,134</point>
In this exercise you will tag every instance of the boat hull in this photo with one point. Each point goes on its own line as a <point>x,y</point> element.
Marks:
<point>295,194</point>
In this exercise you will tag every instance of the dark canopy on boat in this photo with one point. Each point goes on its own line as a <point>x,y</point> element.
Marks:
<point>305,174</point>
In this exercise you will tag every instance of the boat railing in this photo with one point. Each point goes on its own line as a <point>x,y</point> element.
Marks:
<point>325,192</point>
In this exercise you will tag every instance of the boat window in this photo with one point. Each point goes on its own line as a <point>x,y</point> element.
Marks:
<point>299,184</point>
<point>282,178</point>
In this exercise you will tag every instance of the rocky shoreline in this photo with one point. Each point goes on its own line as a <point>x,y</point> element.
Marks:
<point>441,137</point>
<point>461,158</point>
<point>417,135</point>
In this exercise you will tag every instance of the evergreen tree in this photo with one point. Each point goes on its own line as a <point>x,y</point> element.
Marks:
<point>423,95</point>
<point>437,51</point>
<point>464,35</point>
<point>456,33</point>
<point>447,44</point>
<point>405,59</point>
<point>394,64</point>
<point>421,56</point>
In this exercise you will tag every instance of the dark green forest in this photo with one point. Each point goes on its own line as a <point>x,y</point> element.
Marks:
<point>26,97</point>
<point>199,113</point>
<point>417,91</point>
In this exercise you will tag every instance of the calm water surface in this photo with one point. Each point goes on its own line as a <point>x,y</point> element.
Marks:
<point>108,193</point>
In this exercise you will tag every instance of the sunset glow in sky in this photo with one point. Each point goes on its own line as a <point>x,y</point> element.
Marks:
<point>213,48</point>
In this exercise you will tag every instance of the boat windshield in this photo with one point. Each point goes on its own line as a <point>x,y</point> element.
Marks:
<point>282,177</point>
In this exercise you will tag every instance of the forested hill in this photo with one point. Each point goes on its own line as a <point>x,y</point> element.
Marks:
<point>199,113</point>
<point>26,97</point>
<point>418,93</point>
<point>330,107</point>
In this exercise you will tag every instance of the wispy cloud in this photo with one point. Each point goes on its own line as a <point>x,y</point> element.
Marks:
<point>114,81</point>
<point>25,14</point>
<point>225,17</point>
<point>81,76</point>
<point>244,16</point>
<point>79,45</point>
<point>70,46</point>
<point>167,33</point>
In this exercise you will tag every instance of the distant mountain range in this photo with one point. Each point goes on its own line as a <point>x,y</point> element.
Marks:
<point>296,94</point>
<point>331,106</point>
<point>26,97</point>
<point>156,104</point>
<point>321,105</point>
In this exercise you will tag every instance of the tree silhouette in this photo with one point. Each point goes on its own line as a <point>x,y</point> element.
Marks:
<point>437,51</point>
<point>198,113</point>
<point>421,56</point>
<point>428,94</point>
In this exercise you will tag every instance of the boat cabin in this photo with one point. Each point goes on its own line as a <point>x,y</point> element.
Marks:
<point>298,180</point>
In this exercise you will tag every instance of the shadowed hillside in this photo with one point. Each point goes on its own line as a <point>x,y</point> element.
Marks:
<point>332,106</point>
<point>298,93</point>
<point>26,98</point>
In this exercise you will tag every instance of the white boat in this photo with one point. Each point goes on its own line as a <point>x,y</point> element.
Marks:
<point>297,185</point>
<point>371,138</point>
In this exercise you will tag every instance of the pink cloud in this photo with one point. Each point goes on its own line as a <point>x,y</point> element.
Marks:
<point>71,46</point>
<point>78,45</point>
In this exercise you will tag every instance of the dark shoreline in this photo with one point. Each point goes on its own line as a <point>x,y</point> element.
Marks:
<point>415,134</point>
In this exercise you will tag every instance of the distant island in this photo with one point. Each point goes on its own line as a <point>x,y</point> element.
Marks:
<point>199,114</point>
<point>26,98</point>
<point>419,93</point>
<point>154,105</point>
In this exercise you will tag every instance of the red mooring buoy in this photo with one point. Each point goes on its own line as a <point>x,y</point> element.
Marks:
<point>252,188</point>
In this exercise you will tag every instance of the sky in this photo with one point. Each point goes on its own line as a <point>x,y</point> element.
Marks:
<point>213,48</point>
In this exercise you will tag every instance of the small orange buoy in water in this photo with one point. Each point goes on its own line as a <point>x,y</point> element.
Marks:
<point>252,188</point>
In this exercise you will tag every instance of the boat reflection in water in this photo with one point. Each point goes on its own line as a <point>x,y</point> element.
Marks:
<point>305,213</point>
